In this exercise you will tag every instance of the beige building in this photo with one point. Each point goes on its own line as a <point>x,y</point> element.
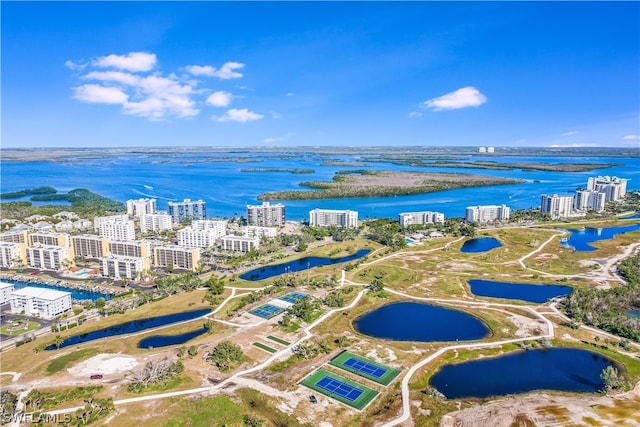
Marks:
<point>90,246</point>
<point>176,256</point>
<point>119,267</point>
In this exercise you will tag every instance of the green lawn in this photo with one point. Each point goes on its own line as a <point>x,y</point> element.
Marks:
<point>25,326</point>
<point>62,362</point>
<point>264,347</point>
<point>278,340</point>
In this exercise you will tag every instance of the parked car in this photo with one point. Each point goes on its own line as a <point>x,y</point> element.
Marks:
<point>96,377</point>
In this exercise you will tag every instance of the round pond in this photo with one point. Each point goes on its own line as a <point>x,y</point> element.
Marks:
<point>413,321</point>
<point>480,244</point>
<point>563,369</point>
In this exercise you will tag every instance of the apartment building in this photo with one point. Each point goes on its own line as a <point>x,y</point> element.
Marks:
<point>138,208</point>
<point>556,206</point>
<point>187,210</point>
<point>487,213</point>
<point>90,246</point>
<point>46,303</point>
<point>13,254</point>
<point>588,200</point>
<point>99,220</point>
<point>47,257</point>
<point>240,243</point>
<point>6,289</point>
<point>219,226</point>
<point>156,222</point>
<point>118,230</point>
<point>257,231</point>
<point>410,218</point>
<point>128,248</point>
<point>15,236</point>
<point>614,188</point>
<point>176,256</point>
<point>49,239</point>
<point>329,217</point>
<point>120,267</point>
<point>266,214</point>
<point>193,238</point>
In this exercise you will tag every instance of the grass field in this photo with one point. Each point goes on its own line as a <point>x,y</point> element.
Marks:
<point>264,347</point>
<point>385,379</point>
<point>62,362</point>
<point>25,326</point>
<point>360,403</point>
<point>278,340</point>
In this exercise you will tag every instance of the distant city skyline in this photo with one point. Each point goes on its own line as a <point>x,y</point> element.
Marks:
<point>135,74</point>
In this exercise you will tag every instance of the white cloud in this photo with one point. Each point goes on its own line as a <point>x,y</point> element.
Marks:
<point>464,97</point>
<point>97,94</point>
<point>573,132</point>
<point>74,65</point>
<point>113,76</point>
<point>226,72</point>
<point>133,61</point>
<point>219,99</point>
<point>631,137</point>
<point>278,138</point>
<point>571,145</point>
<point>414,115</point>
<point>239,115</point>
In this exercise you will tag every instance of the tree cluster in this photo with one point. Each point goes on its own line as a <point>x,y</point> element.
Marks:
<point>225,354</point>
<point>155,373</point>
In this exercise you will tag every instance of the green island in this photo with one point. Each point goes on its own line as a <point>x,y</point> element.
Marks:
<point>28,192</point>
<point>288,170</point>
<point>366,183</point>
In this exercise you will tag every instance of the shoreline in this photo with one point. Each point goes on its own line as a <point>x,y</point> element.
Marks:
<point>58,283</point>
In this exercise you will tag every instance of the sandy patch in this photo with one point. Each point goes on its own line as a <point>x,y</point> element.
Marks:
<point>105,364</point>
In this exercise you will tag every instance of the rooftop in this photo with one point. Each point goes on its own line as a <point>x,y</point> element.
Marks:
<point>42,293</point>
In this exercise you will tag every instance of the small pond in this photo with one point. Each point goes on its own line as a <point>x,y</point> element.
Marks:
<point>132,326</point>
<point>413,321</point>
<point>156,341</point>
<point>480,244</point>
<point>297,265</point>
<point>579,239</point>
<point>522,291</point>
<point>563,369</point>
<point>634,313</point>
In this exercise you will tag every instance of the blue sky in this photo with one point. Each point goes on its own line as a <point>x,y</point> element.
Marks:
<point>93,74</point>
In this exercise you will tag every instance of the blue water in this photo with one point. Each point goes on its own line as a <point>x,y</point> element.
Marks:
<point>580,239</point>
<point>298,265</point>
<point>413,321</point>
<point>133,326</point>
<point>480,244</point>
<point>227,190</point>
<point>634,313</point>
<point>564,369</point>
<point>156,341</point>
<point>522,291</point>
<point>75,294</point>
<point>632,216</point>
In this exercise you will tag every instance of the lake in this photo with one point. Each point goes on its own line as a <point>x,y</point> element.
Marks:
<point>579,239</point>
<point>156,341</point>
<point>76,294</point>
<point>413,321</point>
<point>562,369</point>
<point>215,177</point>
<point>480,244</point>
<point>132,326</point>
<point>298,265</point>
<point>521,291</point>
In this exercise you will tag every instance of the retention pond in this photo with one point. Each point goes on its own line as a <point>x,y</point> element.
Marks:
<point>521,291</point>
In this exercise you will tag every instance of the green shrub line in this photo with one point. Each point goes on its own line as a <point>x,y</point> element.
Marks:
<point>278,340</point>
<point>264,347</point>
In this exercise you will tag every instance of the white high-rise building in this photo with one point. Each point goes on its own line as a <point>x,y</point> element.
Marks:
<point>99,220</point>
<point>12,254</point>
<point>118,230</point>
<point>556,206</point>
<point>487,213</point>
<point>588,200</point>
<point>256,231</point>
<point>155,222</point>
<point>193,238</point>
<point>409,218</point>
<point>47,257</point>
<point>218,226</point>
<point>187,210</point>
<point>138,208</point>
<point>614,188</point>
<point>119,267</point>
<point>46,303</point>
<point>329,217</point>
<point>6,289</point>
<point>239,243</point>
<point>266,215</point>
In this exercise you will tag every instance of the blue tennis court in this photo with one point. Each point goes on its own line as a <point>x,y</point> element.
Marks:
<point>365,367</point>
<point>293,297</point>
<point>343,390</point>
<point>267,311</point>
